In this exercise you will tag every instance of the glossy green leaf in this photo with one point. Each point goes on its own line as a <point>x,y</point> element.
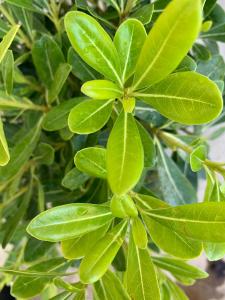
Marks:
<point>93,44</point>
<point>92,161</point>
<point>57,117</point>
<point>26,287</point>
<point>173,98</point>
<point>101,89</point>
<point>7,40</point>
<point>79,68</point>
<point>141,279</point>
<point>179,267</point>
<point>144,13</point>
<point>68,221</point>
<point>36,249</point>
<point>197,157</point>
<point>123,206</point>
<point>200,221</point>
<point>21,153</point>
<point>148,147</point>
<point>8,71</point>
<point>124,155</point>
<point>58,81</point>
<point>110,287</point>
<point>175,187</point>
<point>166,45</point>
<point>4,151</point>
<point>166,239</point>
<point>139,233</point>
<point>74,179</point>
<point>80,246</point>
<point>46,52</point>
<point>128,40</point>
<point>98,259</point>
<point>201,52</point>
<point>90,116</point>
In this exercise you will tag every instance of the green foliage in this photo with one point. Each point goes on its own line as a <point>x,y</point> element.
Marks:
<point>104,107</point>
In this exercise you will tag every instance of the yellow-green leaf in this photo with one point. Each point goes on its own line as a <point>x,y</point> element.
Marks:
<point>101,89</point>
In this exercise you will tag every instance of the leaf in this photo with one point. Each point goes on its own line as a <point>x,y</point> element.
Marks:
<point>13,222</point>
<point>80,246</point>
<point>173,98</point>
<point>90,116</point>
<point>101,89</point>
<point>4,151</point>
<point>27,4</point>
<point>197,157</point>
<point>201,52</point>
<point>144,13</point>
<point>148,147</point>
<point>139,234</point>
<point>92,161</point>
<point>175,291</point>
<point>68,221</point>
<point>187,64</point>
<point>45,154</point>
<point>141,279</point>
<point>214,251</point>
<point>199,221</point>
<point>216,33</point>
<point>166,45</point>
<point>93,44</point>
<point>8,71</point>
<point>175,187</point>
<point>62,284</point>
<point>21,153</point>
<point>36,249</point>
<point>123,206</point>
<point>166,239</point>
<point>74,179</point>
<point>128,40</point>
<point>110,287</point>
<point>79,68</point>
<point>57,117</point>
<point>179,267</point>
<point>7,40</point>
<point>214,68</point>
<point>59,79</point>
<point>47,56</point>
<point>124,155</point>
<point>26,287</point>
<point>98,259</point>
<point>208,7</point>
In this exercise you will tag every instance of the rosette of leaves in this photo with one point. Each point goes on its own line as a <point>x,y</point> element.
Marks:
<point>88,128</point>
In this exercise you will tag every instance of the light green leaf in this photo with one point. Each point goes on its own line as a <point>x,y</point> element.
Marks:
<point>74,179</point>
<point>141,279</point>
<point>27,287</point>
<point>4,151</point>
<point>175,187</point>
<point>58,81</point>
<point>101,255</point>
<point>123,206</point>
<point>80,246</point>
<point>175,291</point>
<point>124,155</point>
<point>21,153</point>
<point>90,116</point>
<point>93,44</point>
<point>57,117</point>
<point>129,39</point>
<point>47,56</point>
<point>7,40</point>
<point>144,13</point>
<point>92,161</point>
<point>139,233</point>
<point>179,267</point>
<point>173,98</point>
<point>166,239</point>
<point>68,221</point>
<point>110,287</point>
<point>79,68</point>
<point>214,251</point>
<point>199,221</point>
<point>166,45</point>
<point>101,89</point>
<point>197,157</point>
<point>62,284</point>
<point>8,71</point>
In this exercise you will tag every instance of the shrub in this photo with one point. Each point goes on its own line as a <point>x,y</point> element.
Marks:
<point>106,127</point>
